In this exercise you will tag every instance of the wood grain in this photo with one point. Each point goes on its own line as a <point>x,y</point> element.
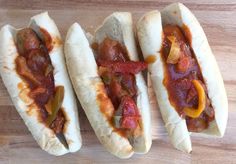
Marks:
<point>218,20</point>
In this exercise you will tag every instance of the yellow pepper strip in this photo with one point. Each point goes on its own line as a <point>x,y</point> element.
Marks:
<point>192,112</point>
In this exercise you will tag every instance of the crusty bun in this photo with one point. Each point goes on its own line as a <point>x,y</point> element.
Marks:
<point>18,89</point>
<point>149,30</point>
<point>90,89</point>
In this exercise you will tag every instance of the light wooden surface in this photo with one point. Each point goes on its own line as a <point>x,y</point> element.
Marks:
<point>218,20</point>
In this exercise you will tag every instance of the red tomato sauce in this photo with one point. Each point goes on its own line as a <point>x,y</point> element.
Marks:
<point>34,66</point>
<point>179,76</point>
<point>118,75</point>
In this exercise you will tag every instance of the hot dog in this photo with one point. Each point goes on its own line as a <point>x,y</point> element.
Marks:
<point>33,70</point>
<point>112,90</point>
<point>184,73</point>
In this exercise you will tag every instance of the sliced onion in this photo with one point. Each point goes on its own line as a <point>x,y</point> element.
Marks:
<point>24,70</point>
<point>175,52</point>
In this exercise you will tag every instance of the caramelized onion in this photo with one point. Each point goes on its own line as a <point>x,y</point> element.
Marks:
<point>175,52</point>
<point>24,70</point>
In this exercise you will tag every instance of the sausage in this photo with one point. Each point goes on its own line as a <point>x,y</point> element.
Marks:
<point>117,72</point>
<point>38,61</point>
<point>26,40</point>
<point>111,50</point>
<point>25,72</point>
<point>34,65</point>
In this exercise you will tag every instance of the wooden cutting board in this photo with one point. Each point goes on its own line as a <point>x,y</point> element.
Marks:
<point>218,20</point>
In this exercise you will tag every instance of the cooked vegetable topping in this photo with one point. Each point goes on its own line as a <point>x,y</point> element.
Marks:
<point>54,104</point>
<point>118,75</point>
<point>24,70</point>
<point>192,112</point>
<point>26,40</point>
<point>34,66</point>
<point>123,67</point>
<point>183,80</point>
<point>175,53</point>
